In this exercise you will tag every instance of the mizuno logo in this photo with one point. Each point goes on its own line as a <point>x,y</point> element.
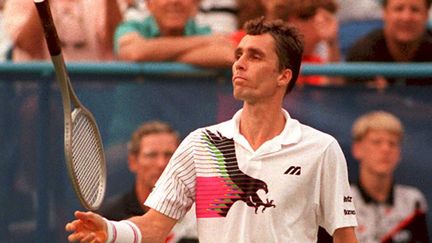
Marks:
<point>293,170</point>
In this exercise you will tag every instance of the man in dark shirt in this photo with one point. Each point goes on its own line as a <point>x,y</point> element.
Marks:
<point>404,38</point>
<point>149,151</point>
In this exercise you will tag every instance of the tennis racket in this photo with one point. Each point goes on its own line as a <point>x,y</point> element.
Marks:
<point>83,148</point>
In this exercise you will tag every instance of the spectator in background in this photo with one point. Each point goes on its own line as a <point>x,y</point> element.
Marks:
<point>149,151</point>
<point>171,33</point>
<point>382,205</point>
<point>316,21</point>
<point>219,15</point>
<point>404,38</point>
<point>85,28</point>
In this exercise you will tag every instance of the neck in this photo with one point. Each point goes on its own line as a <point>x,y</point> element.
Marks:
<point>260,124</point>
<point>377,186</point>
<point>172,33</point>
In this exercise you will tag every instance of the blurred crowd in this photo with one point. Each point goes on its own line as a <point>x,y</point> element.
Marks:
<point>206,32</point>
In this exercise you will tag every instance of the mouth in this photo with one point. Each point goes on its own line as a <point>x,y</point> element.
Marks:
<point>238,78</point>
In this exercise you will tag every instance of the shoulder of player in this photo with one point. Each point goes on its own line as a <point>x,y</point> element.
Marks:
<point>225,129</point>
<point>314,134</point>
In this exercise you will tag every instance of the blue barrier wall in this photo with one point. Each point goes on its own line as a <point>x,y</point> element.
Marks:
<point>36,197</point>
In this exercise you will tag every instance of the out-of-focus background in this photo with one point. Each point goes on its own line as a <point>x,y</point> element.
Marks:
<point>36,196</point>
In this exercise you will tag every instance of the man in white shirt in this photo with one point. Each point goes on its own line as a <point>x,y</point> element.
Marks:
<point>260,177</point>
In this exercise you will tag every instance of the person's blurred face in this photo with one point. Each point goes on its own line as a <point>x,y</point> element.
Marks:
<point>307,29</point>
<point>172,15</point>
<point>154,155</point>
<point>276,9</point>
<point>405,20</point>
<point>256,75</point>
<point>378,152</point>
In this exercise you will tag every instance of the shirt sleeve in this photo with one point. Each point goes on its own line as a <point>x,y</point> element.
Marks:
<point>123,29</point>
<point>336,202</point>
<point>174,192</point>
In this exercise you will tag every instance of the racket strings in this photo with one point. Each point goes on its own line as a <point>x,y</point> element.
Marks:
<point>87,159</point>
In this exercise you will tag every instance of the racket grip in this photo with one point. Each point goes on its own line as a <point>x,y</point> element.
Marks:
<point>51,37</point>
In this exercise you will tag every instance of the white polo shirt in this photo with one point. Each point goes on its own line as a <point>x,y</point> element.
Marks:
<point>281,192</point>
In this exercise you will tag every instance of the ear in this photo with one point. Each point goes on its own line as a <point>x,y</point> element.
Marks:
<point>285,77</point>
<point>133,163</point>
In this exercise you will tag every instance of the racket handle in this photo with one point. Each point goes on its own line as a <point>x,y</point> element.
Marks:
<point>51,37</point>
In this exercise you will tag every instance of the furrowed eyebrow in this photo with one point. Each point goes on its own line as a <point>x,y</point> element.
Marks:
<point>252,51</point>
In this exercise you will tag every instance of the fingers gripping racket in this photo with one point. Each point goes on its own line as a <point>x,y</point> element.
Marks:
<point>84,152</point>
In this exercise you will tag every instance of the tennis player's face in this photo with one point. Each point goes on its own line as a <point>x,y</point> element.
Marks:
<point>155,152</point>
<point>256,76</point>
<point>405,20</point>
<point>378,152</point>
<point>172,15</point>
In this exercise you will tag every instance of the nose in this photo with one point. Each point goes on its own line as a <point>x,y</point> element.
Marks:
<point>161,161</point>
<point>387,146</point>
<point>239,64</point>
<point>407,14</point>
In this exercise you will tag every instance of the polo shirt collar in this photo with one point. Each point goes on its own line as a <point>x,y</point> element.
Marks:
<point>291,133</point>
<point>368,199</point>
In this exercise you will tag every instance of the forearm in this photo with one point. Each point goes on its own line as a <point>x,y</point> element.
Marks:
<point>213,56</point>
<point>154,226</point>
<point>136,48</point>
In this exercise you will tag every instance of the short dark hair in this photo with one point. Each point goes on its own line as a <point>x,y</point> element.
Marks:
<point>146,129</point>
<point>289,46</point>
<point>428,3</point>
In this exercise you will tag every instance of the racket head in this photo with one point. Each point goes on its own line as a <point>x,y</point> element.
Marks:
<point>85,158</point>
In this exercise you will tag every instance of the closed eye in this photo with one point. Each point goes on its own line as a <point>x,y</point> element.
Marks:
<point>256,54</point>
<point>237,54</point>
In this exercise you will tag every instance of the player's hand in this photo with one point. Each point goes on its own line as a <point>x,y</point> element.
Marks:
<point>87,227</point>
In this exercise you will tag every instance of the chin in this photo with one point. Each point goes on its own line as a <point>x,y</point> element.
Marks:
<point>407,38</point>
<point>241,96</point>
<point>384,172</point>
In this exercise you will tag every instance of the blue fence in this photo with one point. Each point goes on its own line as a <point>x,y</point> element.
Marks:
<point>36,198</point>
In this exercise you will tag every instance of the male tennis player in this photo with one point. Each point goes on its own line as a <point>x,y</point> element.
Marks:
<point>260,177</point>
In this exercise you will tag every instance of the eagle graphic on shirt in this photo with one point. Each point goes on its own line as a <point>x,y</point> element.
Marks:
<point>220,182</point>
